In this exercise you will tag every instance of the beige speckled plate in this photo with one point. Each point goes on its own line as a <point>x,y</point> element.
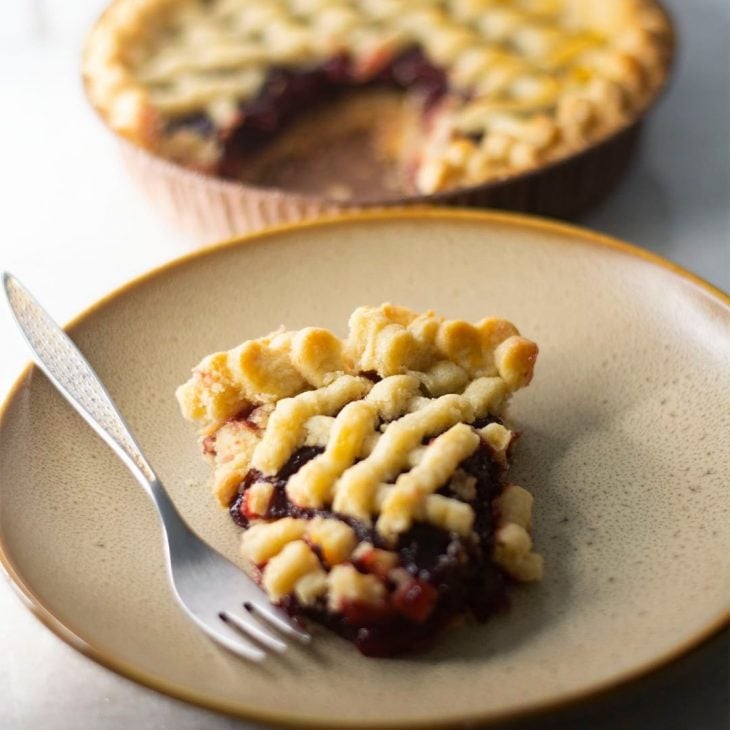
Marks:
<point>625,448</point>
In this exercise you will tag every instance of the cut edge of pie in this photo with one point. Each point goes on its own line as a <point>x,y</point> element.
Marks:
<point>370,473</point>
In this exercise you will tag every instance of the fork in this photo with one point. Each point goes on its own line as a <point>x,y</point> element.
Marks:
<point>213,592</point>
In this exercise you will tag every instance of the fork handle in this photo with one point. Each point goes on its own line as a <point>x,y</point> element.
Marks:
<point>68,370</point>
<point>58,357</point>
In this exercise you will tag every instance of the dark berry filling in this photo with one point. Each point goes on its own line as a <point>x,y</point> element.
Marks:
<point>412,69</point>
<point>287,92</point>
<point>443,575</point>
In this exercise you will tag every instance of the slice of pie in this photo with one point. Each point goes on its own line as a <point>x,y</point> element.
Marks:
<point>369,475</point>
<point>498,86</point>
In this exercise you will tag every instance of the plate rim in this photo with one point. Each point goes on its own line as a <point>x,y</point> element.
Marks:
<point>567,233</point>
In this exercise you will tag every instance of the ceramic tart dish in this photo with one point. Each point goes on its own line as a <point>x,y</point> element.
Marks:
<point>236,114</point>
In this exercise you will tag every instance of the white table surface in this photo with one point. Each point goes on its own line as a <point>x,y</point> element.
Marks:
<point>74,227</point>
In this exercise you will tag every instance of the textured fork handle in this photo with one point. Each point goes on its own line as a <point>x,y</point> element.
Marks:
<point>69,371</point>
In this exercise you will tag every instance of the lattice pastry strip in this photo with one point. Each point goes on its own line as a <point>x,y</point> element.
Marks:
<point>312,485</point>
<point>403,502</point>
<point>285,430</point>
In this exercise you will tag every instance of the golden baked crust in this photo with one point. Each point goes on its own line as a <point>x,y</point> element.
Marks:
<point>390,415</point>
<point>442,355</point>
<point>529,80</point>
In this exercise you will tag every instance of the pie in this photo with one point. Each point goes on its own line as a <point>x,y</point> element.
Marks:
<point>370,475</point>
<point>491,87</point>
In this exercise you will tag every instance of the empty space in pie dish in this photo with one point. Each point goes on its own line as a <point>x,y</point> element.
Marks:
<point>359,147</point>
<point>625,450</point>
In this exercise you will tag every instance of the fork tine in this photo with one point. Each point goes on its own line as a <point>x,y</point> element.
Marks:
<point>253,629</point>
<point>240,645</point>
<point>278,619</point>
